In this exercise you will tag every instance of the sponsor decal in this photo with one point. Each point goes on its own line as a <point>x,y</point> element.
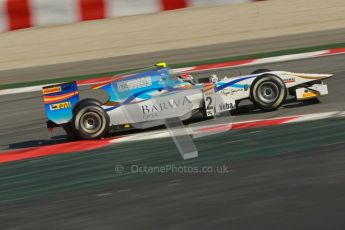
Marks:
<point>64,105</point>
<point>290,80</point>
<point>309,94</point>
<point>56,89</point>
<point>226,92</point>
<point>226,106</point>
<point>233,91</point>
<point>150,111</point>
<point>134,84</point>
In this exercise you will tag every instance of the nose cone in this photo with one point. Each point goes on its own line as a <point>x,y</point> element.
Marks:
<point>327,76</point>
<point>313,76</point>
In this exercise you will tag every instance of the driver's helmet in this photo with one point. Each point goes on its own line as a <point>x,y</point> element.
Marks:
<point>185,77</point>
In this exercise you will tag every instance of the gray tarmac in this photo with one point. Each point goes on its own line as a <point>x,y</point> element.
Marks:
<point>23,117</point>
<point>285,177</point>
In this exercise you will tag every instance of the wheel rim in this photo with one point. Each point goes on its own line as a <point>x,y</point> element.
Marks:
<point>268,92</point>
<point>91,122</point>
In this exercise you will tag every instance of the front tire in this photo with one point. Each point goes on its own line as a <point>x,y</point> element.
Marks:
<point>268,92</point>
<point>258,71</point>
<point>90,121</point>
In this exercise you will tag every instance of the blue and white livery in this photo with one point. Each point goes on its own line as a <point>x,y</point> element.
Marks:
<point>156,94</point>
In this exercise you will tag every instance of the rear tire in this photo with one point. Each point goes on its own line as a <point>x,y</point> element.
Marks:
<point>85,102</point>
<point>268,92</point>
<point>71,134</point>
<point>90,121</point>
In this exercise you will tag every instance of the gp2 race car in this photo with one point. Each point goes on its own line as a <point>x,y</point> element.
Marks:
<point>156,94</point>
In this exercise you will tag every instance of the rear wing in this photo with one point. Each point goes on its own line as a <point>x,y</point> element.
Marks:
<point>59,101</point>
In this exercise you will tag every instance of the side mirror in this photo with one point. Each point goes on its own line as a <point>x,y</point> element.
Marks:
<point>213,78</point>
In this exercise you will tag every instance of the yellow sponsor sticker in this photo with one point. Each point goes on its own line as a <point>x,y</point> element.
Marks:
<point>309,94</point>
<point>56,89</point>
<point>64,105</point>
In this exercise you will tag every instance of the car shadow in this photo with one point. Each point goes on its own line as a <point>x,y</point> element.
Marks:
<point>249,108</point>
<point>39,143</point>
<point>295,104</point>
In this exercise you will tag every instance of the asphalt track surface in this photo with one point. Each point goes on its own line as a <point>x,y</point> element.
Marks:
<point>23,119</point>
<point>286,177</point>
<point>231,49</point>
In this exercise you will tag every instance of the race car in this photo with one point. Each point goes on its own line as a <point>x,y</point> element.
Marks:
<point>146,98</point>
